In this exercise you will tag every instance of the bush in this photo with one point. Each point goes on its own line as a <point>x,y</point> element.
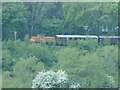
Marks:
<point>90,70</point>
<point>106,41</point>
<point>84,61</point>
<point>19,49</point>
<point>29,66</point>
<point>72,43</point>
<point>42,53</point>
<point>87,44</point>
<point>26,69</point>
<point>27,39</point>
<point>51,79</point>
<point>7,61</point>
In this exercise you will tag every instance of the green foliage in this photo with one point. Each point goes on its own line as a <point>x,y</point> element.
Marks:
<point>42,53</point>
<point>109,60</point>
<point>86,62</point>
<point>106,41</point>
<point>58,18</point>
<point>6,80</point>
<point>12,52</point>
<point>90,69</point>
<point>13,20</point>
<point>16,82</point>
<point>27,39</point>
<point>31,65</point>
<point>8,45</point>
<point>23,72</point>
<point>7,60</point>
<point>88,44</point>
<point>1,79</point>
<point>0,55</point>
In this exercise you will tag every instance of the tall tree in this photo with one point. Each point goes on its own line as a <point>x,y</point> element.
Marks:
<point>59,18</point>
<point>37,13</point>
<point>13,19</point>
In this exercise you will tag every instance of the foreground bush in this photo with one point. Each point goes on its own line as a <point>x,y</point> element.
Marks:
<point>51,79</point>
<point>90,69</point>
<point>88,44</point>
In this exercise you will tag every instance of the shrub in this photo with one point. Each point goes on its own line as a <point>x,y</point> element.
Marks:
<point>87,44</point>
<point>90,69</point>
<point>7,61</point>
<point>29,66</point>
<point>71,43</point>
<point>106,41</point>
<point>51,79</point>
<point>27,39</point>
<point>26,69</point>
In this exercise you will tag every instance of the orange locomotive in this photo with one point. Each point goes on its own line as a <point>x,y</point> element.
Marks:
<point>35,39</point>
<point>41,38</point>
<point>49,39</point>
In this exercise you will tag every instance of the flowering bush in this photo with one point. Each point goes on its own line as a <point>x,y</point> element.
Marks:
<point>51,79</point>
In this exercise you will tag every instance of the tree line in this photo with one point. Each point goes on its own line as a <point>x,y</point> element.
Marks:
<point>32,18</point>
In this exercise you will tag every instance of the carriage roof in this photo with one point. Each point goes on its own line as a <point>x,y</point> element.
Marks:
<point>109,36</point>
<point>76,36</point>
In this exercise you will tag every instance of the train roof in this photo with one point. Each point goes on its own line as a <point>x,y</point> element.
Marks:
<point>49,37</point>
<point>76,36</point>
<point>109,36</point>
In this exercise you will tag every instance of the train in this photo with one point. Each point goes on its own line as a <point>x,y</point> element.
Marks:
<point>62,39</point>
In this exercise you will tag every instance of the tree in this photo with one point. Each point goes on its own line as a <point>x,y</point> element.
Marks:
<point>12,20</point>
<point>39,13</point>
<point>7,61</point>
<point>30,68</point>
<point>59,18</point>
<point>0,21</point>
<point>89,69</point>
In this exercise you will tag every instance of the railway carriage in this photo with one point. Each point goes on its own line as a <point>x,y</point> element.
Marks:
<point>62,39</point>
<point>111,39</point>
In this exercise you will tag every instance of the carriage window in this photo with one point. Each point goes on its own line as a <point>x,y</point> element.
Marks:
<point>70,38</point>
<point>75,38</point>
<point>84,38</point>
<point>79,38</point>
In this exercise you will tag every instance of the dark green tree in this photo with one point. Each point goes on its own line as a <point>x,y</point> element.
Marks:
<point>13,20</point>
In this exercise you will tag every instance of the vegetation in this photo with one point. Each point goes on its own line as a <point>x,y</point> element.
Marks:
<point>52,79</point>
<point>87,63</point>
<point>58,18</point>
<point>90,67</point>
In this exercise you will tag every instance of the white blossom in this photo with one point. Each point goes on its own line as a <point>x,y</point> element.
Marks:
<point>51,79</point>
<point>111,79</point>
